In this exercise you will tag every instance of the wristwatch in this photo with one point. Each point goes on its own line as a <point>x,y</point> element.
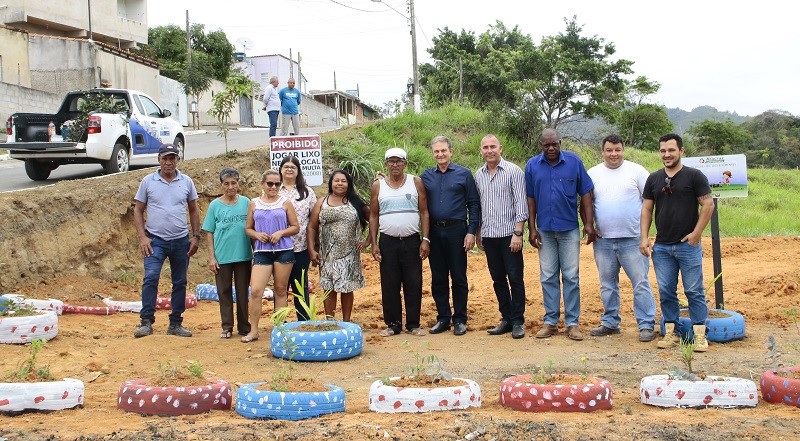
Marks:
<point>517,233</point>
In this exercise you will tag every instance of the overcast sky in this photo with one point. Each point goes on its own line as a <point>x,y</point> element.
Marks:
<point>742,57</point>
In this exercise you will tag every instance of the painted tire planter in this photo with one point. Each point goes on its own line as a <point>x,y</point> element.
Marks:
<point>391,399</point>
<point>258,404</point>
<point>588,395</point>
<point>166,302</point>
<point>718,329</point>
<point>123,306</point>
<point>47,395</point>
<point>93,310</point>
<point>207,291</point>
<point>777,389</point>
<point>338,344</point>
<point>54,305</point>
<point>24,329</point>
<point>723,392</point>
<point>136,396</point>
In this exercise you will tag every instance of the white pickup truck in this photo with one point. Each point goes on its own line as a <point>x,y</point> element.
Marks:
<point>109,139</point>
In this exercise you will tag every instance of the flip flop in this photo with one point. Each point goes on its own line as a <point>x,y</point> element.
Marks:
<point>249,338</point>
<point>225,334</point>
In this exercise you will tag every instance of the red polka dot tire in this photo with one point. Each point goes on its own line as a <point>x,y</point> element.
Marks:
<point>392,399</point>
<point>584,395</point>
<point>136,306</point>
<point>24,329</point>
<point>166,302</point>
<point>722,392</point>
<point>136,396</point>
<point>781,388</point>
<point>48,395</point>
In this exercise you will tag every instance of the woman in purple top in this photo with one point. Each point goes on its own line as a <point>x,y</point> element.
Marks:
<point>271,223</point>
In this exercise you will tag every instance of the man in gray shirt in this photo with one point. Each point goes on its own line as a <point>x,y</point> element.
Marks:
<point>165,196</point>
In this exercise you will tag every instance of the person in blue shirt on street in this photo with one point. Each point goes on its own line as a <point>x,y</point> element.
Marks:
<point>455,211</point>
<point>290,108</point>
<point>554,181</point>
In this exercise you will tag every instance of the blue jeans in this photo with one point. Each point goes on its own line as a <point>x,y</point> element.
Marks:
<point>610,255</point>
<point>507,270</point>
<point>559,256</point>
<point>273,122</point>
<point>176,251</point>
<point>688,259</point>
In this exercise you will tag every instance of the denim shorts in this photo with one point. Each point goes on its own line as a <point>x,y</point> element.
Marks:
<point>270,257</point>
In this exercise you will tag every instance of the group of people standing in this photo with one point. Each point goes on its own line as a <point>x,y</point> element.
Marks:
<point>285,102</point>
<point>441,215</point>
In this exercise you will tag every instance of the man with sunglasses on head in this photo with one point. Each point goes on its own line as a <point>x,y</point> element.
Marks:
<point>676,192</point>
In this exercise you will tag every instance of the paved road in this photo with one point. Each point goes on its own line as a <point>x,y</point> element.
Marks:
<point>200,145</point>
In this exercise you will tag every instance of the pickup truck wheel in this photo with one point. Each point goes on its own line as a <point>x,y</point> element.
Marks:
<point>36,170</point>
<point>119,162</point>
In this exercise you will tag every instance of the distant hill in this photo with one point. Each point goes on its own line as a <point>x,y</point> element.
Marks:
<point>683,119</point>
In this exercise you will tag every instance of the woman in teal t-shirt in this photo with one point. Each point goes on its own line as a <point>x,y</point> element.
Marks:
<point>230,253</point>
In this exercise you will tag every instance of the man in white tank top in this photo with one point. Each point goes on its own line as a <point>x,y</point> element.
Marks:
<point>399,210</point>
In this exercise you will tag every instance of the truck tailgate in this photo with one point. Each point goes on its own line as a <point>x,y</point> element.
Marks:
<point>25,147</point>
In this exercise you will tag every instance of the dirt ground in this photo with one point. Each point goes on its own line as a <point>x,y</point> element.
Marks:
<point>85,244</point>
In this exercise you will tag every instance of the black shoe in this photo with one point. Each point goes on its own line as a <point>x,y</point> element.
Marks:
<point>460,328</point>
<point>440,327</point>
<point>518,331</point>
<point>602,331</point>
<point>503,327</point>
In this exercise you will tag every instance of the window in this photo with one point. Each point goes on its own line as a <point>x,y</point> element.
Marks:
<point>150,108</point>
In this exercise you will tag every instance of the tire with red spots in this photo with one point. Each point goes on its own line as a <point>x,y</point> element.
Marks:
<point>166,302</point>
<point>292,406</point>
<point>93,310</point>
<point>54,305</point>
<point>48,395</point>
<point>136,396</point>
<point>722,392</point>
<point>24,329</point>
<point>391,399</point>
<point>123,306</point>
<point>779,389</point>
<point>584,395</point>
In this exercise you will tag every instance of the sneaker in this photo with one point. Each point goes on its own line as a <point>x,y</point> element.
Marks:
<point>646,335</point>
<point>602,331</point>
<point>144,330</point>
<point>178,330</point>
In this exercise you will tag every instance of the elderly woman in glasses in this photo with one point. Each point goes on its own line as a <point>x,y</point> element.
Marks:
<point>229,251</point>
<point>271,223</point>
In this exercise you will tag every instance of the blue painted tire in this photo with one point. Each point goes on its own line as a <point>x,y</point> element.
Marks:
<point>718,329</point>
<point>206,291</point>
<point>257,404</point>
<point>338,344</point>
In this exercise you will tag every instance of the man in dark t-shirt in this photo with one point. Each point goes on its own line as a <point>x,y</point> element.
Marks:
<point>676,192</point>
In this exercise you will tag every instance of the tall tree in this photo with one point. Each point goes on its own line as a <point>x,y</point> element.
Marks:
<point>718,138</point>
<point>641,125</point>
<point>167,45</point>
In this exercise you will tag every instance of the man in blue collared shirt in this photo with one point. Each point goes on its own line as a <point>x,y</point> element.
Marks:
<point>455,212</point>
<point>554,180</point>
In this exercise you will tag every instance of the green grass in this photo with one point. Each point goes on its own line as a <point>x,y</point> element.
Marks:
<point>770,209</point>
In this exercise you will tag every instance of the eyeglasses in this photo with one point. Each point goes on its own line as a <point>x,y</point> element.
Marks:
<point>289,167</point>
<point>667,188</point>
<point>271,184</point>
<point>395,162</point>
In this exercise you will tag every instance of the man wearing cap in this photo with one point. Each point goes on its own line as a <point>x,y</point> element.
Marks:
<point>166,195</point>
<point>501,187</point>
<point>399,210</point>
<point>455,212</point>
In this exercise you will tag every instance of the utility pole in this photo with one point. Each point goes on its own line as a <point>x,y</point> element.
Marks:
<point>417,102</point>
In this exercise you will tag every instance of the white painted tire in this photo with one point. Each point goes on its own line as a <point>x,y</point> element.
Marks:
<point>589,394</point>
<point>723,392</point>
<point>54,305</point>
<point>391,399</point>
<point>25,329</point>
<point>338,344</point>
<point>258,404</point>
<point>123,306</point>
<point>48,395</point>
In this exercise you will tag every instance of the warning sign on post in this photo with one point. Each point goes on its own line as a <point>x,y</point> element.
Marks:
<point>727,174</point>
<point>307,149</point>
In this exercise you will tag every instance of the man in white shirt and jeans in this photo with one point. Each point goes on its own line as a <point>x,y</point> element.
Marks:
<point>618,187</point>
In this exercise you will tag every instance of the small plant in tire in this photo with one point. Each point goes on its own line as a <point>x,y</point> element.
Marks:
<point>109,127</point>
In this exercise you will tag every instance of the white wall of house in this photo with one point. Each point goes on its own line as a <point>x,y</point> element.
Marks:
<point>14,62</point>
<point>171,96</point>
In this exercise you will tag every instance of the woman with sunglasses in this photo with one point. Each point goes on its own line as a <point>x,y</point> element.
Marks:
<point>294,188</point>
<point>271,223</point>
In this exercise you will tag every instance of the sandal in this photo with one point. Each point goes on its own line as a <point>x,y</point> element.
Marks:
<point>249,338</point>
<point>417,331</point>
<point>225,334</point>
<point>388,332</point>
